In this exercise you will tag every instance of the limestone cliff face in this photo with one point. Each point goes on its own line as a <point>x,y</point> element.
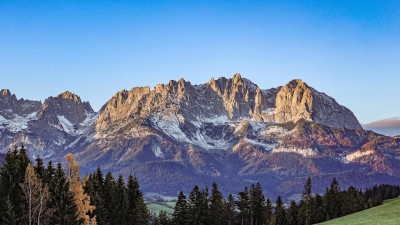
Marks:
<point>226,128</point>
<point>297,100</point>
<point>235,98</point>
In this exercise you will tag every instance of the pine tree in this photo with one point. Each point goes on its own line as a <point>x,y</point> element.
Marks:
<point>306,206</point>
<point>257,200</point>
<point>216,207</point>
<point>36,199</point>
<point>333,201</point>
<point>292,213</point>
<point>65,211</point>
<point>180,216</point>
<point>243,205</point>
<point>229,211</point>
<point>81,199</point>
<point>280,213</point>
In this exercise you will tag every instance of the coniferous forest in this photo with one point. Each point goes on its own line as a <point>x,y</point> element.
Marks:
<point>35,193</point>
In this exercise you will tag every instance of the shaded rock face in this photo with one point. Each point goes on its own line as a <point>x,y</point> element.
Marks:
<point>228,130</point>
<point>10,105</point>
<point>45,129</point>
<point>65,104</point>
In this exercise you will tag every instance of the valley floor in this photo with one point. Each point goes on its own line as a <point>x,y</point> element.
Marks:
<point>388,213</point>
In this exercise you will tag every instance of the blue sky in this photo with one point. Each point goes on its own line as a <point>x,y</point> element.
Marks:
<point>347,49</point>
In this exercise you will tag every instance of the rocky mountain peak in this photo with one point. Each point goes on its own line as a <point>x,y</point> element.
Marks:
<point>296,100</point>
<point>66,104</point>
<point>5,92</point>
<point>10,106</point>
<point>70,95</point>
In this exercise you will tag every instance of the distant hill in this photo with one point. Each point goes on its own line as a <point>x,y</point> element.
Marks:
<point>388,213</point>
<point>390,127</point>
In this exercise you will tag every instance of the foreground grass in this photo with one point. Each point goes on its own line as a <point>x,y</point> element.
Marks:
<point>388,213</point>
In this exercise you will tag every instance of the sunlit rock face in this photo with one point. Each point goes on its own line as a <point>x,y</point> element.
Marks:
<point>227,129</point>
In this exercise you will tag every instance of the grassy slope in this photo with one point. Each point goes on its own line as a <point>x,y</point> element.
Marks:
<point>388,213</point>
<point>156,207</point>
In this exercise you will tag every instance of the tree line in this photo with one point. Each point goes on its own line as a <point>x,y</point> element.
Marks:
<point>43,195</point>
<point>251,207</point>
<point>34,193</point>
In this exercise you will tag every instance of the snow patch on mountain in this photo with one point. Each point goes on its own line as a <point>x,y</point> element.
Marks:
<point>169,124</point>
<point>266,146</point>
<point>358,154</point>
<point>17,122</point>
<point>306,152</point>
<point>67,126</point>
<point>157,151</point>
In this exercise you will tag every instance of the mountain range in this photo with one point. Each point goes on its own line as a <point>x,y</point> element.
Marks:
<point>228,130</point>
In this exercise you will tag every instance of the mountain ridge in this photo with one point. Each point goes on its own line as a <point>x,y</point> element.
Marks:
<point>226,129</point>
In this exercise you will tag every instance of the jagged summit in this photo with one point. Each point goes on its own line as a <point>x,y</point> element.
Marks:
<point>296,100</point>
<point>234,98</point>
<point>69,95</point>
<point>5,92</point>
<point>226,128</point>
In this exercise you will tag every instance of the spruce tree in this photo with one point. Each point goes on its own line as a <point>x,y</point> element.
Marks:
<point>280,213</point>
<point>62,202</point>
<point>121,202</point>
<point>137,209</point>
<point>268,212</point>
<point>49,174</point>
<point>95,188</point>
<point>292,213</point>
<point>8,182</point>
<point>12,173</point>
<point>352,201</point>
<point>109,199</point>
<point>162,218</point>
<point>333,201</point>
<point>40,170</point>
<point>204,208</point>
<point>306,206</point>
<point>180,216</point>
<point>257,201</point>
<point>195,209</point>
<point>319,209</point>
<point>243,205</point>
<point>8,216</point>
<point>229,211</point>
<point>216,206</point>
